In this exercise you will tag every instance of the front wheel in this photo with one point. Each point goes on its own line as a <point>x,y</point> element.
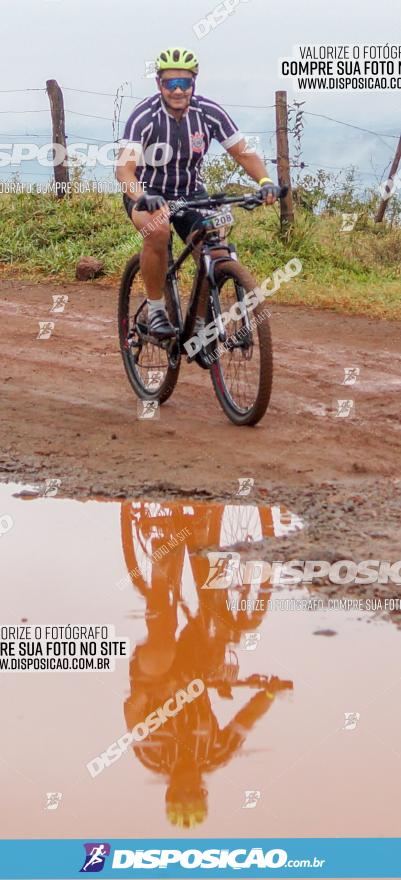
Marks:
<point>241,368</point>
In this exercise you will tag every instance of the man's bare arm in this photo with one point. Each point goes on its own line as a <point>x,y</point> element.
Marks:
<point>251,163</point>
<point>125,173</point>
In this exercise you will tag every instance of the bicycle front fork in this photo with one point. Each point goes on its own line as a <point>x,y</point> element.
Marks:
<point>210,265</point>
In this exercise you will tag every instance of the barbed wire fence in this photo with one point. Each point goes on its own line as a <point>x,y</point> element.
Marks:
<point>296,117</point>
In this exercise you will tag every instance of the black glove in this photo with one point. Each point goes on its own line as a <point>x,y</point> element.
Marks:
<point>149,203</point>
<point>269,189</point>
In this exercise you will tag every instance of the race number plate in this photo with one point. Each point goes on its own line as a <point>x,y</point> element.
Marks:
<point>223,218</point>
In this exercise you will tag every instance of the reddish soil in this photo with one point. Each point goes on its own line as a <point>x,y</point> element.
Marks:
<point>69,412</point>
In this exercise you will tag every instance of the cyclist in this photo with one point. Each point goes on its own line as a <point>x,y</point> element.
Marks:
<point>182,124</point>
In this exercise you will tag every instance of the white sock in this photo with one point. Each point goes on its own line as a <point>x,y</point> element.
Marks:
<point>154,304</point>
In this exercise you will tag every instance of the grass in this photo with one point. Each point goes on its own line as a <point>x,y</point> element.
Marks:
<point>355,273</point>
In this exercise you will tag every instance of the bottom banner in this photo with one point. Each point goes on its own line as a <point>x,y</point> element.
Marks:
<point>262,857</point>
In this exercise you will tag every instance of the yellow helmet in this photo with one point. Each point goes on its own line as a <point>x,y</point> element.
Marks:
<point>186,815</point>
<point>177,59</point>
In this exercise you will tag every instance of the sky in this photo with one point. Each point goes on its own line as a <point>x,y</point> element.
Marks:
<point>97,45</point>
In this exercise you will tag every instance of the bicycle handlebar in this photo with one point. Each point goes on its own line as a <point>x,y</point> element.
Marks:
<point>253,681</point>
<point>249,202</point>
<point>253,200</point>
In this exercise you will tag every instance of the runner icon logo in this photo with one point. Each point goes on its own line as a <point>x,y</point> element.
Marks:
<point>223,567</point>
<point>95,856</point>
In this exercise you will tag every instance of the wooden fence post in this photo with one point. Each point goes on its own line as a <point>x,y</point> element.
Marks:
<point>393,170</point>
<point>283,160</point>
<point>61,175</point>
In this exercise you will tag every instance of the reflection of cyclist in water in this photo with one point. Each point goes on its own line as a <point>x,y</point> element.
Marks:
<point>191,743</point>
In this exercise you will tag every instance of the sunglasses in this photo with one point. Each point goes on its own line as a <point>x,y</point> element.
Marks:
<point>178,82</point>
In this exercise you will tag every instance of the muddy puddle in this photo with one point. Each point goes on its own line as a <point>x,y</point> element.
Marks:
<point>272,721</point>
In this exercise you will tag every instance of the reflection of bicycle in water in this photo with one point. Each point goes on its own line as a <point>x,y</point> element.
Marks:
<point>150,531</point>
<point>190,637</point>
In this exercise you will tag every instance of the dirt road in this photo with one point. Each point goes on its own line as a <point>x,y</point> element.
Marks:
<point>68,412</point>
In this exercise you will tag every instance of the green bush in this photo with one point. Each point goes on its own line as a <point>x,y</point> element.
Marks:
<point>41,236</point>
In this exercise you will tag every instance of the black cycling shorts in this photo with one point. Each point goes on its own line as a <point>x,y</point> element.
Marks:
<point>191,219</point>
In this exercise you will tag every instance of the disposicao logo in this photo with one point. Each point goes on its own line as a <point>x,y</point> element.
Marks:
<point>192,859</point>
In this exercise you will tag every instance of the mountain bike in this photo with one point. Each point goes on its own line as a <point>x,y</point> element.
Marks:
<point>236,345</point>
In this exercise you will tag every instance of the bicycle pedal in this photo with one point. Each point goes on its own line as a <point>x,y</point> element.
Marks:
<point>200,359</point>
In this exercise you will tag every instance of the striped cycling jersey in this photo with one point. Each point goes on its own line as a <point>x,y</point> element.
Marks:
<point>150,123</point>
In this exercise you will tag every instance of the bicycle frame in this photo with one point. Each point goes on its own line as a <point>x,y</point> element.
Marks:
<point>205,269</point>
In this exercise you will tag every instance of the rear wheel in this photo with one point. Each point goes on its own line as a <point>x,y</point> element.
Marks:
<point>152,369</point>
<point>242,370</point>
